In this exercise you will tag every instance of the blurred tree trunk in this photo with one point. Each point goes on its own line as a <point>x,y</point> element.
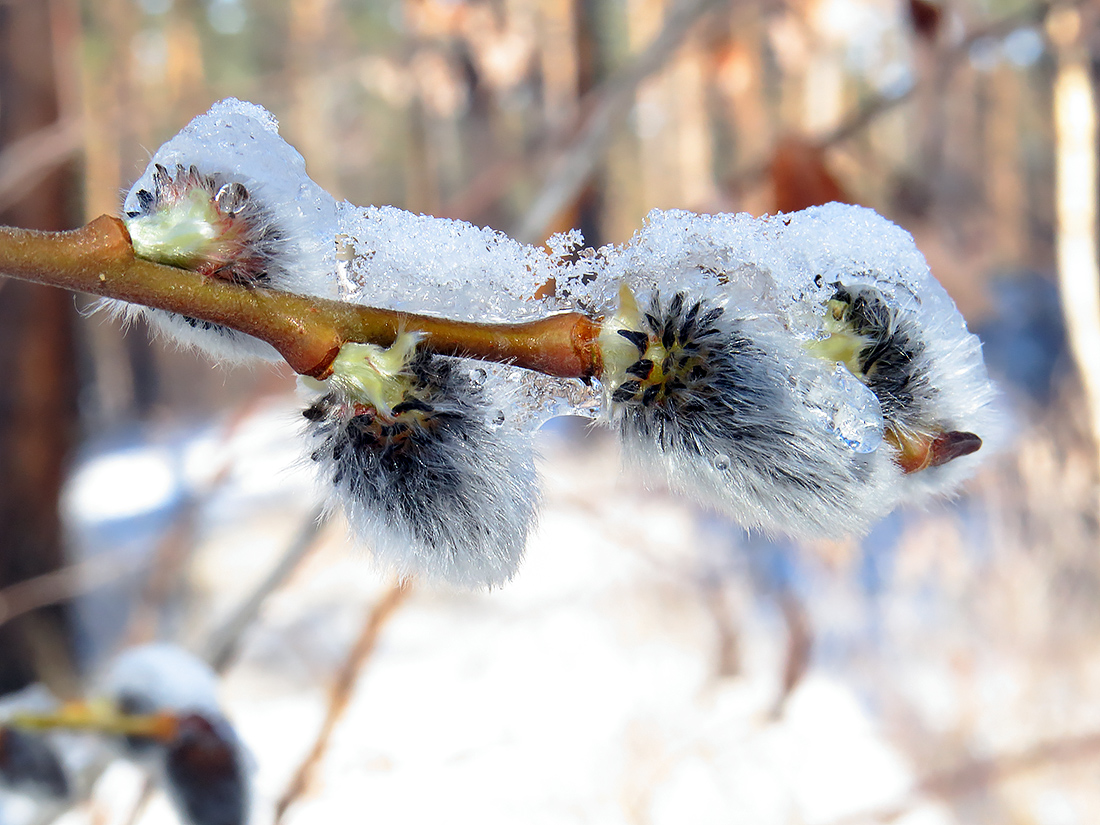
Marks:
<point>37,395</point>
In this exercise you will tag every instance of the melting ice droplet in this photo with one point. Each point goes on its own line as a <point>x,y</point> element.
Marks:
<point>856,417</point>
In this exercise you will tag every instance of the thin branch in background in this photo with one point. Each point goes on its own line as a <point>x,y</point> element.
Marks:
<point>341,691</point>
<point>65,583</point>
<point>800,647</point>
<point>573,164</point>
<point>167,575</point>
<point>728,637</point>
<point>24,163</point>
<point>145,796</point>
<point>222,643</point>
<point>881,103</point>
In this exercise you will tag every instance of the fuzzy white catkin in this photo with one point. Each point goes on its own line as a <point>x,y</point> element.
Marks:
<point>465,499</point>
<point>239,142</point>
<point>205,767</point>
<point>759,444</point>
<point>451,499</point>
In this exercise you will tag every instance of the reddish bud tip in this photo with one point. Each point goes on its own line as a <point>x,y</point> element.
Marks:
<point>951,445</point>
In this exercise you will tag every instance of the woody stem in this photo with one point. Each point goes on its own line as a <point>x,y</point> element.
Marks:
<point>99,259</point>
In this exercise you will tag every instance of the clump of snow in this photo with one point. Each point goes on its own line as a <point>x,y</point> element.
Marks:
<point>163,676</point>
<point>416,263</point>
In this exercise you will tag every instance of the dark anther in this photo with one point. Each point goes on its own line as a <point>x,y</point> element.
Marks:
<point>709,317</point>
<point>411,404</point>
<point>314,413</point>
<point>668,337</point>
<point>625,392</point>
<point>654,324</point>
<point>146,199</point>
<point>638,339</point>
<point>640,369</point>
<point>161,176</point>
<point>688,326</point>
<point>698,372</point>
<point>686,329</point>
<point>676,305</point>
<point>650,395</point>
<point>631,386</point>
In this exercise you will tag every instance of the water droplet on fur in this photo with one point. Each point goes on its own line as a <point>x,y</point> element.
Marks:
<point>856,417</point>
<point>498,418</point>
<point>477,377</point>
<point>542,397</point>
<point>721,462</point>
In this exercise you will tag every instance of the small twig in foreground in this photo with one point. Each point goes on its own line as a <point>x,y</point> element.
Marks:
<point>223,642</point>
<point>340,694</point>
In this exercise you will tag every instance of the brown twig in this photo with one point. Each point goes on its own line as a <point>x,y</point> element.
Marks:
<point>222,643</point>
<point>25,162</point>
<point>880,103</point>
<point>58,585</point>
<point>340,694</point>
<point>574,163</point>
<point>308,332</point>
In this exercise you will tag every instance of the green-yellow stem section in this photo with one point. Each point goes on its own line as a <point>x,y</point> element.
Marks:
<point>308,332</point>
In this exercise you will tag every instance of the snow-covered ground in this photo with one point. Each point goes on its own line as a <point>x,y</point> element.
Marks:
<point>632,672</point>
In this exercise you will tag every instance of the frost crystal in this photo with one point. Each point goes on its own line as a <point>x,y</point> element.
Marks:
<point>416,263</point>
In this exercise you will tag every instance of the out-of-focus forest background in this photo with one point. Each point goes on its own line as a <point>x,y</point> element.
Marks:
<point>652,663</point>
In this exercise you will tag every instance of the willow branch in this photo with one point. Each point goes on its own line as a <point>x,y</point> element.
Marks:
<point>308,332</point>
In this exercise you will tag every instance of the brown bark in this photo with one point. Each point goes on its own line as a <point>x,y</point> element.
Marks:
<point>37,393</point>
